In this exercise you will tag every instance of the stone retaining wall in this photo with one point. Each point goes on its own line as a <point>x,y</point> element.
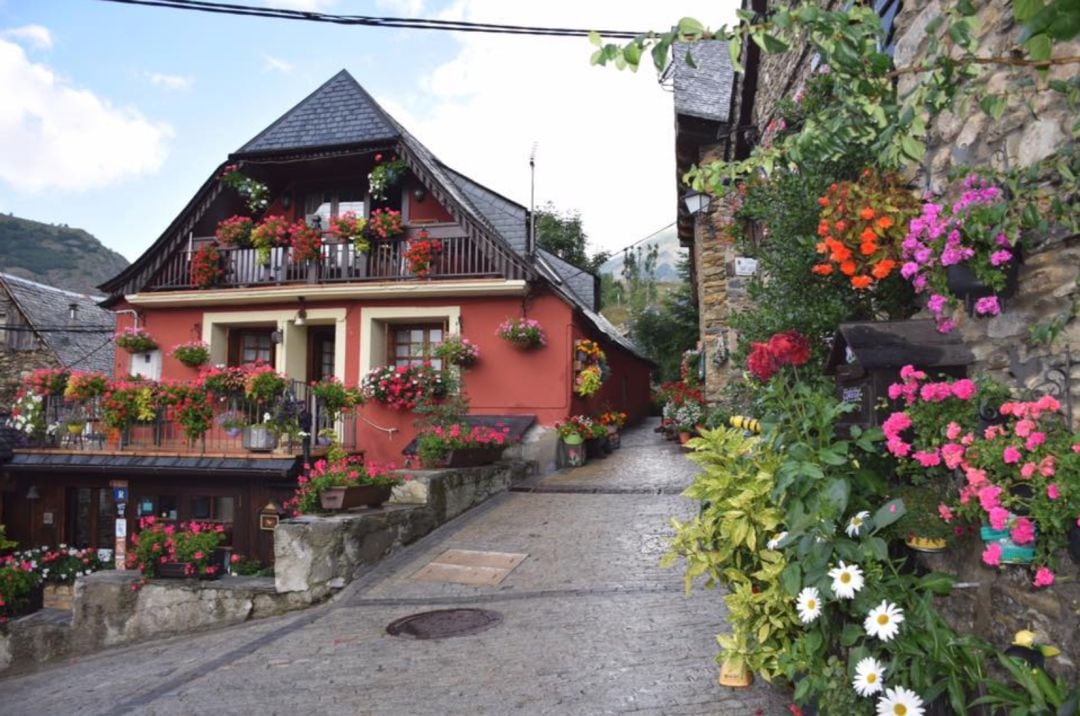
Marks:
<point>315,555</point>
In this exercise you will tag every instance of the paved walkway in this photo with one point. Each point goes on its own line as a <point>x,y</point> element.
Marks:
<point>590,624</point>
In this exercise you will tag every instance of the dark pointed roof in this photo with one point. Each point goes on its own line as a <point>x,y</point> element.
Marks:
<point>339,112</point>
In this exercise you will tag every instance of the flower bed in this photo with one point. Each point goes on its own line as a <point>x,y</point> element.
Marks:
<point>190,544</point>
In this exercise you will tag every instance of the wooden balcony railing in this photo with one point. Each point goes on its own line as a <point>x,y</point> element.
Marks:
<point>461,257</point>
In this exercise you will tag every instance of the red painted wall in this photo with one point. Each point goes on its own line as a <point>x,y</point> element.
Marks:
<point>505,381</point>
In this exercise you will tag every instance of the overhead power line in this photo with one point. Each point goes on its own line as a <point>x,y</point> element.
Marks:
<point>373,21</point>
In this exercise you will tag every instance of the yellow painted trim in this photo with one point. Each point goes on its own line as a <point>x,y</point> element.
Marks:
<point>294,338</point>
<point>330,292</point>
<point>370,333</point>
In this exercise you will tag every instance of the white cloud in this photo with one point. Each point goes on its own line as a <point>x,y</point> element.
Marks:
<point>278,65</point>
<point>171,82</point>
<point>33,35</point>
<point>401,8</point>
<point>56,135</point>
<point>305,5</point>
<point>606,138</point>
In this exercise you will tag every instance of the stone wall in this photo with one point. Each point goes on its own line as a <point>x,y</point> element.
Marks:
<point>1034,126</point>
<point>15,365</point>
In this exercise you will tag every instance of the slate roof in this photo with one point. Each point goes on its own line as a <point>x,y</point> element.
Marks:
<point>507,217</point>
<point>338,112</point>
<point>45,306</point>
<point>143,465</point>
<point>705,90</point>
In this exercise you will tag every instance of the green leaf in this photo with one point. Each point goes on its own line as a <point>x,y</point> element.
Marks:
<point>1024,10</point>
<point>594,38</point>
<point>888,513</point>
<point>851,634</point>
<point>791,579</point>
<point>937,583</point>
<point>878,548</point>
<point>960,32</point>
<point>774,44</point>
<point>735,52</point>
<point>690,26</point>
<point>993,105</point>
<point>913,149</point>
<point>1039,47</point>
<point>1066,25</point>
<point>837,493</point>
<point>966,8</point>
<point>632,53</point>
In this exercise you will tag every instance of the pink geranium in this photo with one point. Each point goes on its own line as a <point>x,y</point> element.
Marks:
<point>1010,455</point>
<point>1052,491</point>
<point>1043,577</point>
<point>992,554</point>
<point>945,513</point>
<point>1023,531</point>
<point>999,518</point>
<point>988,497</point>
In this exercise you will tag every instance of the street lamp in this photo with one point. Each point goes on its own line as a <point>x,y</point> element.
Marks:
<point>696,202</point>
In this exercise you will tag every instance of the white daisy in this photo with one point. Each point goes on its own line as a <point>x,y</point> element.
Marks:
<point>883,621</point>
<point>809,604</point>
<point>900,702</point>
<point>775,541</point>
<point>847,579</point>
<point>869,677</point>
<point>855,524</point>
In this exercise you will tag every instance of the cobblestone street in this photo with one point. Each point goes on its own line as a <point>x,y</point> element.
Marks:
<point>590,624</point>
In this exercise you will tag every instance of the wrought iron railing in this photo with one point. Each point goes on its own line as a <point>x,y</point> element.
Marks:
<point>461,257</point>
<point>296,423</point>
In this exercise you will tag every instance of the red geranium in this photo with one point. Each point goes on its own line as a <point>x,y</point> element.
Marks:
<point>761,363</point>
<point>789,348</point>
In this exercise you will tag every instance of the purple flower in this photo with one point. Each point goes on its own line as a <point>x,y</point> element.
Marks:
<point>909,269</point>
<point>923,255</point>
<point>919,284</point>
<point>1000,257</point>
<point>987,305</point>
<point>1003,240</point>
<point>946,325</point>
<point>951,256</point>
<point>936,304</point>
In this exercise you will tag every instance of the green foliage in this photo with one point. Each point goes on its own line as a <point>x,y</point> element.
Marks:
<point>5,543</point>
<point>56,255</point>
<point>561,233</point>
<point>667,328</point>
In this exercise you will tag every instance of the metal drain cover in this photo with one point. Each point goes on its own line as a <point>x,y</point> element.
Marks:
<point>443,623</point>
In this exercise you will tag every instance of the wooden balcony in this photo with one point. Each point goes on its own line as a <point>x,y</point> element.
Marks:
<point>461,257</point>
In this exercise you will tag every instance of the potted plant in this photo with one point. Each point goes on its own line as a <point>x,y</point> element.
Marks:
<point>402,387</point>
<point>184,550</point>
<point>590,364</point>
<point>460,445</point>
<point>254,193</point>
<point>458,351</point>
<point>969,251</point>
<point>60,567</point>
<point>384,175</point>
<point>421,253</point>
<point>235,232</point>
<point>224,383</point>
<point>335,398</point>
<point>524,333</point>
<point>385,224</point>
<point>613,420</point>
<point>85,386</point>
<point>129,402</point>
<point>135,340</point>
<point>206,268</point>
<point>19,588</point>
<point>573,433</point>
<point>48,381</point>
<point>271,233</point>
<point>342,482</point>
<point>351,228</point>
<point>261,437</point>
<point>232,422</point>
<point>193,354</point>
<point>194,411</point>
<point>306,242</point>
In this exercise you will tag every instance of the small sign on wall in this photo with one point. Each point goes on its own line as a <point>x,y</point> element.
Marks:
<point>268,522</point>
<point>745,266</point>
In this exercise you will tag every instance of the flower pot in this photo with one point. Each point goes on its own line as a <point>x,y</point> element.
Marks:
<point>613,438</point>
<point>1074,542</point>
<point>259,438</point>
<point>58,596</point>
<point>926,544</point>
<point>332,498</point>
<point>684,437</point>
<point>573,451</point>
<point>233,432</point>
<point>474,456</point>
<point>735,676</point>
<point>594,448</point>
<point>1011,553</point>
<point>963,283</point>
<point>366,496</point>
<point>182,570</point>
<point>75,428</point>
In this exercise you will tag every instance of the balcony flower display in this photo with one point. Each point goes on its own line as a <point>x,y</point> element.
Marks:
<point>191,544</point>
<point>48,381</point>
<point>85,386</point>
<point>524,333</point>
<point>459,351</point>
<point>206,269</point>
<point>270,233</point>
<point>192,354</point>
<point>254,193</point>
<point>352,228</point>
<point>435,444</point>
<point>135,340</point>
<point>263,384</point>
<point>385,224</point>
<point>385,174</point>
<point>421,252</point>
<point>128,402</point>
<point>336,397</point>
<point>861,226</point>
<point>306,242</point>
<point>977,233</point>
<point>338,471</point>
<point>193,408</point>
<point>224,382</point>
<point>235,231</point>
<point>402,387</point>
<point>28,413</point>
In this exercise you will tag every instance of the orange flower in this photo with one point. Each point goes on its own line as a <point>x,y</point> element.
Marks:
<point>861,282</point>
<point>883,268</point>
<point>839,252</point>
<point>824,200</point>
<point>823,228</point>
<point>847,268</point>
<point>866,213</point>
<point>868,248</point>
<point>822,269</point>
<point>885,222</point>
<point>867,235</point>
<point>840,226</point>
<point>822,247</point>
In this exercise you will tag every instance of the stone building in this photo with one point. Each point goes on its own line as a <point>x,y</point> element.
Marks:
<point>1033,127</point>
<point>46,327</point>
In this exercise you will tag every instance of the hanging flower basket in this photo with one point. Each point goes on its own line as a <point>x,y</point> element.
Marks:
<point>135,340</point>
<point>192,354</point>
<point>523,333</point>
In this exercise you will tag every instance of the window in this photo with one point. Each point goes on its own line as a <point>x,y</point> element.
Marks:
<point>413,344</point>
<point>247,345</point>
<point>161,506</point>
<point>333,202</point>
<point>214,509</point>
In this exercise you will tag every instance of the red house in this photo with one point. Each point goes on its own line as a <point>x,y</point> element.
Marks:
<point>325,308</point>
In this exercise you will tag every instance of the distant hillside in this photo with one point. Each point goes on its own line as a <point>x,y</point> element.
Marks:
<point>670,253</point>
<point>56,255</point>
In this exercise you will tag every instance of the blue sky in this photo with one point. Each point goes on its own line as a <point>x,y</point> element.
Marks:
<point>119,113</point>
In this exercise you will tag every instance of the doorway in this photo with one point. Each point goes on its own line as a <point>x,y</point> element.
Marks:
<point>320,353</point>
<point>91,517</point>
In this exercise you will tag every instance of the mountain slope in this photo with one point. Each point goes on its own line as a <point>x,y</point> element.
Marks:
<point>56,255</point>
<point>670,252</point>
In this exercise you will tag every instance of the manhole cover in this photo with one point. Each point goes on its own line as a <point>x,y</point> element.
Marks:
<point>443,623</point>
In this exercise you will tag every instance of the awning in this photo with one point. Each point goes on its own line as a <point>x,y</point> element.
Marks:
<point>146,465</point>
